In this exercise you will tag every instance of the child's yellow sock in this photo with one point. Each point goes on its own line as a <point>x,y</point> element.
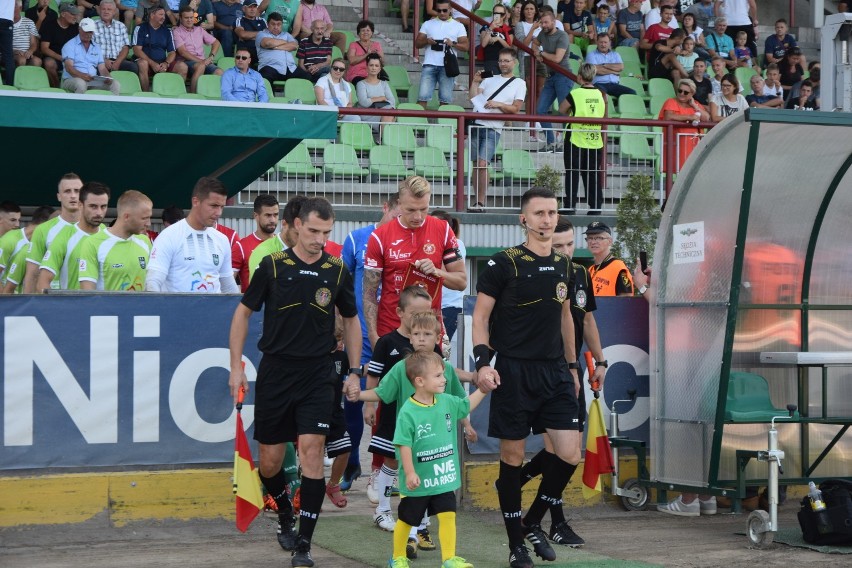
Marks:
<point>446,534</point>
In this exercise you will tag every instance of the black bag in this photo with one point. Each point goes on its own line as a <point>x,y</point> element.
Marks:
<point>834,524</point>
<point>451,62</point>
<point>381,104</point>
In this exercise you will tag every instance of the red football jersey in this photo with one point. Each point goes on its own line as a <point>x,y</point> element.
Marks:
<point>240,254</point>
<point>393,247</point>
<point>232,235</point>
<point>333,249</point>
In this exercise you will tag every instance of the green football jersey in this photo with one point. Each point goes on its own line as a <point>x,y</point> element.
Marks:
<point>267,247</point>
<point>42,237</point>
<point>17,269</point>
<point>395,386</point>
<point>62,256</point>
<point>10,244</point>
<point>113,263</point>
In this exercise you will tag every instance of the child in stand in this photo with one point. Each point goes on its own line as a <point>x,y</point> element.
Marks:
<point>773,81</point>
<point>743,53</point>
<point>425,440</point>
<point>686,58</point>
<point>395,389</point>
<point>605,23</point>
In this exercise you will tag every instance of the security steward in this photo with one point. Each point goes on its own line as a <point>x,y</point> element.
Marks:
<point>523,313</point>
<point>299,289</point>
<point>610,276</point>
<point>583,158</point>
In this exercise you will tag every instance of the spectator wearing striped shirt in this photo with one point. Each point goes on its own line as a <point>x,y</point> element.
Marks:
<point>314,53</point>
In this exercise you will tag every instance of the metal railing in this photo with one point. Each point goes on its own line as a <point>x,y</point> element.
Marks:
<point>623,156</point>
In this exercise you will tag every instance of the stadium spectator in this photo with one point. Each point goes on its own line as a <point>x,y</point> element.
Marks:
<point>741,16</point>
<point>373,92</point>
<point>758,98</point>
<point>720,44</point>
<point>13,263</point>
<point>814,78</point>
<point>703,86</point>
<point>703,11</point>
<point>247,27</point>
<point>579,25</point>
<point>719,70</point>
<point>604,22</point>
<point>332,90</point>
<point>191,255</point>
<point>776,46</point>
<point>288,9</point>
<point>116,259</point>
<point>694,31</point>
<point>275,49</point>
<point>655,15</point>
<point>202,11</point>
<point>314,53</point>
<point>552,44</point>
<point>24,39</point>
<point>154,49</point>
<point>608,66</point>
<point>743,53</point>
<point>500,94</point>
<point>630,24</point>
<point>791,70</point>
<point>226,13</point>
<point>40,13</point>
<point>773,81</point>
<point>729,102</point>
<point>241,83</point>
<point>59,265</point>
<point>438,34</point>
<point>662,58</point>
<point>266,221</point>
<point>309,12</point>
<point>84,64</point>
<point>189,43</point>
<point>111,36</point>
<point>425,243</point>
<point>127,12</point>
<point>686,59</point>
<point>495,37</point>
<point>8,15</point>
<point>806,99</point>
<point>685,107</point>
<point>660,31</point>
<point>171,215</point>
<point>145,7</point>
<point>360,49</point>
<point>54,35</point>
<point>610,276</point>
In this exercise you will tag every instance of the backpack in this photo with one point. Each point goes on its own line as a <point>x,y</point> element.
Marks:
<point>834,524</point>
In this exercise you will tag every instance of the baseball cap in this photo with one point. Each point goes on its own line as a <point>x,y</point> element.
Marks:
<point>68,7</point>
<point>87,25</point>
<point>597,227</point>
<point>250,2</point>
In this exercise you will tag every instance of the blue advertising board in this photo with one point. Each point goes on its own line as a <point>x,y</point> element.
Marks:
<point>130,379</point>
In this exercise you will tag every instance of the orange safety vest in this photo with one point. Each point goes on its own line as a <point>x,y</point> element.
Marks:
<point>605,277</point>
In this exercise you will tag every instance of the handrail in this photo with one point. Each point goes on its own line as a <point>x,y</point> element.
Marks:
<point>668,126</point>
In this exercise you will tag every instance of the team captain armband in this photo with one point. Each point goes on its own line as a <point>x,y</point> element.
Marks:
<point>414,277</point>
<point>451,255</point>
<point>482,356</point>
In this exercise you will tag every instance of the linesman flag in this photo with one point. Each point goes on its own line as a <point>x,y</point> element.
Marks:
<point>598,452</point>
<point>249,499</point>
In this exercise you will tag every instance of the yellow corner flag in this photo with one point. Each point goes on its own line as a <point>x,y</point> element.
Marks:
<point>246,480</point>
<point>598,452</point>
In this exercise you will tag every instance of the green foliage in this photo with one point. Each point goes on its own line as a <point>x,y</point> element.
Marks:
<point>549,178</point>
<point>638,216</point>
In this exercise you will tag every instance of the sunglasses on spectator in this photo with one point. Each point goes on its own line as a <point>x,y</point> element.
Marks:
<point>339,68</point>
<point>499,13</point>
<point>242,57</point>
<point>442,11</point>
<point>684,91</point>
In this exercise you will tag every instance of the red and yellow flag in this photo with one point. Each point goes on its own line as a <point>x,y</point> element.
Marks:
<point>598,452</point>
<point>246,480</point>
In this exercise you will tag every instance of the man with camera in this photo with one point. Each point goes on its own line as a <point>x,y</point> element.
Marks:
<point>503,93</point>
<point>436,35</point>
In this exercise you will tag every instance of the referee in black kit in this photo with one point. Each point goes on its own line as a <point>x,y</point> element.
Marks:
<point>523,313</point>
<point>299,289</point>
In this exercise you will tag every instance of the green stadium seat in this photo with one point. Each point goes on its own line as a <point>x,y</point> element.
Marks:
<point>340,160</point>
<point>419,123</point>
<point>168,85</point>
<point>268,85</point>
<point>336,53</point>
<point>210,87</point>
<point>744,75</point>
<point>631,104</point>
<point>98,92</point>
<point>301,89</point>
<point>634,145</point>
<point>430,163</point>
<point>193,96</point>
<point>413,93</point>
<point>225,63</point>
<point>575,49</point>
<point>279,100</point>
<point>29,78</point>
<point>655,104</point>
<point>441,137</point>
<point>128,80</point>
<point>632,69</point>
<point>358,135</point>
<point>400,136</point>
<point>628,54</point>
<point>749,400</point>
<point>146,94</point>
<point>635,84</point>
<point>386,162</point>
<point>484,10</point>
<point>350,37</point>
<point>7,88</point>
<point>316,143</point>
<point>52,90</point>
<point>660,87</point>
<point>518,166</point>
<point>297,163</point>
<point>450,108</point>
<point>399,80</point>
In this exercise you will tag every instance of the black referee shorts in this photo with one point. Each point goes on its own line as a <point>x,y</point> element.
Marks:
<point>293,398</point>
<point>337,442</point>
<point>533,395</point>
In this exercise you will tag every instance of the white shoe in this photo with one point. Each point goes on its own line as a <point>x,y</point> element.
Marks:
<point>327,461</point>
<point>372,493</point>
<point>678,507</point>
<point>707,507</point>
<point>384,520</point>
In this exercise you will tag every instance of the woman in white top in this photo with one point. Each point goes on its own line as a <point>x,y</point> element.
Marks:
<point>729,102</point>
<point>375,93</point>
<point>332,90</point>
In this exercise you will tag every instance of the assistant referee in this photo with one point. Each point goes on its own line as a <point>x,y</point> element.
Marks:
<point>299,289</point>
<point>523,312</point>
